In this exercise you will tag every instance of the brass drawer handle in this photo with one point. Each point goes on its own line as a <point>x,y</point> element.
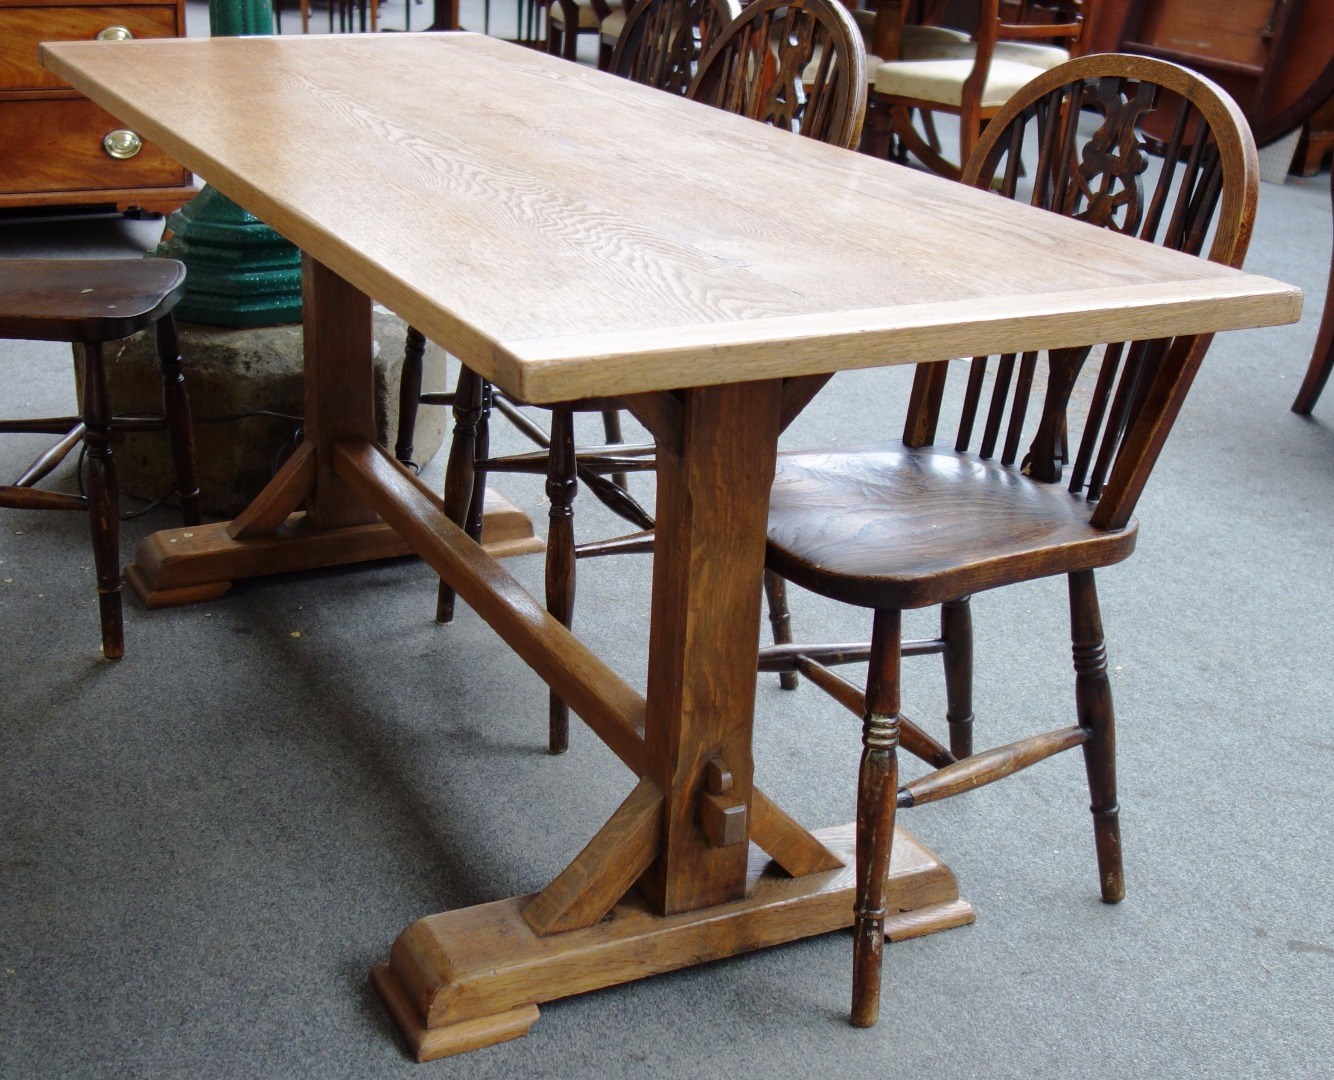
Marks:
<point>115,33</point>
<point>121,144</point>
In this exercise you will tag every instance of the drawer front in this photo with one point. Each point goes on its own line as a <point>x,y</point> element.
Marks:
<point>56,145</point>
<point>22,29</point>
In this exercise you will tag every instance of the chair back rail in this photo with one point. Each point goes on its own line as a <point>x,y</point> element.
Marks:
<point>1206,186</point>
<point>795,64</point>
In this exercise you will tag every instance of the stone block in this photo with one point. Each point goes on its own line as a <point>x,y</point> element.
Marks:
<point>233,372</point>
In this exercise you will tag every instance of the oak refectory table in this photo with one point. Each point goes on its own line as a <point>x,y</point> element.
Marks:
<point>568,234</point>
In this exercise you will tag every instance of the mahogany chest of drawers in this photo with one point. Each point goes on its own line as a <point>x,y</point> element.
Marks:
<point>58,148</point>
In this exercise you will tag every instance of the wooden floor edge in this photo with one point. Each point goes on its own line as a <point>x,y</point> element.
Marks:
<point>429,1044</point>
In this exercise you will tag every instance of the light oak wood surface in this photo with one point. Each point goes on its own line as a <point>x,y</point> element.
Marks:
<point>569,234</point>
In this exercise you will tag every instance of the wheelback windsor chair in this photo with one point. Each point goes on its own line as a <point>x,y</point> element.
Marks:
<point>1045,491</point>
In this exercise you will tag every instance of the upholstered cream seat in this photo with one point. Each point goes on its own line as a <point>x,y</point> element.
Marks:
<point>944,70</point>
<point>941,81</point>
<point>588,15</point>
<point>591,14</point>
<point>613,24</point>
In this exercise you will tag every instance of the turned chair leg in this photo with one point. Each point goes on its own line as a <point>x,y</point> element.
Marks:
<point>460,473</point>
<point>1322,358</point>
<point>775,591</point>
<point>562,486</point>
<point>472,524</point>
<point>611,426</point>
<point>877,792</point>
<point>176,409</point>
<point>103,504</point>
<point>1093,701</point>
<point>956,631</point>
<point>409,393</point>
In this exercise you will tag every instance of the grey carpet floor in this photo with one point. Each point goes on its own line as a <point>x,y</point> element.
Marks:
<point>205,847</point>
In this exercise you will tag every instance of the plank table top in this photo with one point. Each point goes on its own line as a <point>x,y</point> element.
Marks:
<point>570,234</point>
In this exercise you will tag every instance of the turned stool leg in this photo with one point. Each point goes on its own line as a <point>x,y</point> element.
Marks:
<point>460,474</point>
<point>409,393</point>
<point>775,591</point>
<point>611,427</point>
<point>103,505</point>
<point>176,409</point>
<point>1093,701</point>
<point>877,792</point>
<point>562,486</point>
<point>956,631</point>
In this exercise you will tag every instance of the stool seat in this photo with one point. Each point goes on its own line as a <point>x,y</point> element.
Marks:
<point>88,302</point>
<point>83,300</point>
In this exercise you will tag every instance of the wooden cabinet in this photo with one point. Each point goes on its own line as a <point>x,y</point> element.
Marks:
<point>1276,57</point>
<point>58,148</point>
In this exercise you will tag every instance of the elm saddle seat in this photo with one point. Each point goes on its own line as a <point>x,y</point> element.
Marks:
<point>904,527</point>
<point>88,302</point>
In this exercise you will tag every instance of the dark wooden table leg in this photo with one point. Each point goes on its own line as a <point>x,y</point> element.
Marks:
<point>1322,359</point>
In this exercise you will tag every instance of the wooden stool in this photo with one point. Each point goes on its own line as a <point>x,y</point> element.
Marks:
<point>88,303</point>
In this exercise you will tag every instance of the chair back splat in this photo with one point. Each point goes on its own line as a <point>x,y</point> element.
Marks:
<point>1205,187</point>
<point>663,40</point>
<point>794,64</point>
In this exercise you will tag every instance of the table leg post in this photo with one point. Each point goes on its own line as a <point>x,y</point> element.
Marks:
<point>704,632</point>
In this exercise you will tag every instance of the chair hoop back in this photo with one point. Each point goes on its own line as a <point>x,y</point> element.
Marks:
<point>663,40</point>
<point>1207,183</point>
<point>794,64</point>
<point>1104,182</point>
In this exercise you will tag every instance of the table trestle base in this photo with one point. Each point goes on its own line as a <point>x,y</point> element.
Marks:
<point>185,566</point>
<point>465,979</point>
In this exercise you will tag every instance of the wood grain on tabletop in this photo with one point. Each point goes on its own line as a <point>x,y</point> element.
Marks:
<point>570,234</point>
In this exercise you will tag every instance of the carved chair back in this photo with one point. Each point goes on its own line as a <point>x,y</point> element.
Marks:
<point>794,64</point>
<point>1130,396</point>
<point>663,40</point>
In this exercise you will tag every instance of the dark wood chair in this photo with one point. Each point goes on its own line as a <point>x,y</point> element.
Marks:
<point>795,64</point>
<point>585,17</point>
<point>1042,476</point>
<point>660,42</point>
<point>89,303</point>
